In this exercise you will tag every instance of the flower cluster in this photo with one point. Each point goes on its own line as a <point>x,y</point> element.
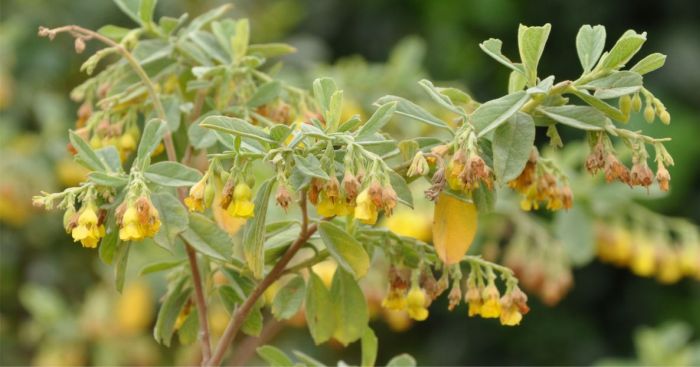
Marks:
<point>466,171</point>
<point>485,300</point>
<point>647,254</point>
<point>603,157</point>
<point>405,295</point>
<point>235,198</point>
<point>85,225</point>
<point>539,182</point>
<point>137,219</point>
<point>355,195</point>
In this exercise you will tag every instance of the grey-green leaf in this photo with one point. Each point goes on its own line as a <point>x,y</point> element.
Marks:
<point>492,114</point>
<point>623,50</point>
<point>590,42</point>
<point>379,118</point>
<point>236,126</point>
<point>580,117</point>
<point>207,238</point>
<point>310,166</point>
<point>407,108</point>
<point>274,356</point>
<point>153,132</point>
<point>531,42</point>
<point>289,299</point>
<point>512,143</point>
<point>172,174</point>
<point>320,313</point>
<point>575,230</point>
<point>173,303</point>
<point>350,306</point>
<point>492,47</point>
<point>615,85</point>
<point>173,218</point>
<point>254,233</point>
<point>345,249</point>
<point>649,63</point>
<point>265,93</point>
<point>86,156</point>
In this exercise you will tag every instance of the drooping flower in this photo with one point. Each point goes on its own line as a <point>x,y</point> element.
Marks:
<point>88,230</point>
<point>366,209</point>
<point>138,220</point>
<point>473,299</point>
<point>513,307</point>
<point>195,200</point>
<point>492,303</point>
<point>643,258</point>
<point>395,300</point>
<point>416,304</point>
<point>242,206</point>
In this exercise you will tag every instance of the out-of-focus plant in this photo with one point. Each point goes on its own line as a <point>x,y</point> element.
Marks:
<point>193,104</point>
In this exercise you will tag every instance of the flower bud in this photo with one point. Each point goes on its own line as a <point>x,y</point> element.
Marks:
<point>663,177</point>
<point>625,104</point>
<point>649,113</point>
<point>419,166</point>
<point>636,103</point>
<point>351,186</point>
<point>79,45</point>
<point>665,117</point>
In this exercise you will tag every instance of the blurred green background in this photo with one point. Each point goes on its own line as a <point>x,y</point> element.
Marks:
<point>57,302</point>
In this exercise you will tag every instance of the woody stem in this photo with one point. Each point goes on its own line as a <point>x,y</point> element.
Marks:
<point>277,271</point>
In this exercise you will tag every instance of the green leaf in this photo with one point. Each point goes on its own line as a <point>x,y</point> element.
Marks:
<point>350,306</point>
<point>623,50</point>
<point>110,242</point>
<point>289,299</point>
<point>115,180</point>
<point>323,90</point>
<point>438,97</point>
<point>484,199</point>
<point>236,126</point>
<point>159,266</point>
<point>280,132</point>
<point>335,109</point>
<point>199,137</point>
<point>240,40</point>
<point>86,156</point>
<point>575,230</point>
<point>512,143</point>
<point>580,117</point>
<point>310,166</point>
<point>320,314</point>
<point>207,238</point>
<point>402,360</point>
<point>113,32</point>
<point>187,334</point>
<point>492,114</point>
<point>172,174</point>
<point>274,356</point>
<point>379,118</point>
<point>590,42</point>
<point>173,219</point>
<point>492,47</point>
<point>146,9</point>
<point>265,93</point>
<point>531,42</point>
<point>173,303</point>
<point>254,233</point>
<point>306,360</point>
<point>345,249</point>
<point>121,257</point>
<point>369,347</point>
<point>153,133</point>
<point>607,109</point>
<point>403,192</point>
<point>130,8</point>
<point>110,158</point>
<point>649,63</point>
<point>516,82</point>
<point>407,108</point>
<point>615,85</point>
<point>268,50</point>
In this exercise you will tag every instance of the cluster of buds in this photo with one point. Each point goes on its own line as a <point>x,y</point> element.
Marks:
<point>484,298</point>
<point>334,198</point>
<point>648,255</point>
<point>137,219</point>
<point>85,225</point>
<point>466,171</point>
<point>106,134</point>
<point>538,182</point>
<point>544,271</point>
<point>602,157</point>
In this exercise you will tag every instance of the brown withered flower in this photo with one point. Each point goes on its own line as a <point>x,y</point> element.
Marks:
<point>351,185</point>
<point>283,197</point>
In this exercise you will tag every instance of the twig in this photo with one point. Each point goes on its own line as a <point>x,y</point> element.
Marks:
<point>249,346</point>
<point>242,312</point>
<point>83,33</point>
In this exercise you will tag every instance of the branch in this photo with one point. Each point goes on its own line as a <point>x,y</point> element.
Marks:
<point>83,33</point>
<point>242,312</point>
<point>248,348</point>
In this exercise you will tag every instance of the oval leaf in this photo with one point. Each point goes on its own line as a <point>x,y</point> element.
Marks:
<point>345,249</point>
<point>512,143</point>
<point>454,227</point>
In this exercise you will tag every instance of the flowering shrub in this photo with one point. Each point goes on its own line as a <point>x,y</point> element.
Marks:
<point>191,138</point>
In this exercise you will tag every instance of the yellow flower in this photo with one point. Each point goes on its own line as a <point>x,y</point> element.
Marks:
<point>643,260</point>
<point>491,308</point>
<point>670,270</point>
<point>366,210</point>
<point>415,304</point>
<point>88,231</point>
<point>134,310</point>
<point>140,220</point>
<point>511,316</point>
<point>411,223</point>
<point>397,321</point>
<point>454,169</point>
<point>195,200</point>
<point>395,300</point>
<point>329,208</point>
<point>241,206</point>
<point>473,298</point>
